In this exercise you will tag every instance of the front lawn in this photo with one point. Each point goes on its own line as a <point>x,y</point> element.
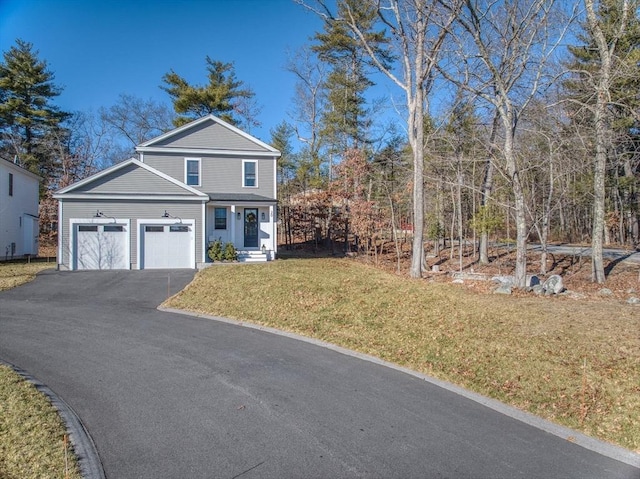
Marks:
<point>575,362</point>
<point>15,273</point>
<point>33,441</point>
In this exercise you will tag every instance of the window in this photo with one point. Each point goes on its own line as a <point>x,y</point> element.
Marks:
<point>178,229</point>
<point>113,228</point>
<point>154,229</point>
<point>250,177</point>
<point>192,171</point>
<point>87,228</point>
<point>220,219</point>
<point>10,184</point>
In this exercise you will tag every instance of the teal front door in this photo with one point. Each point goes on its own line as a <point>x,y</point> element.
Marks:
<point>251,227</point>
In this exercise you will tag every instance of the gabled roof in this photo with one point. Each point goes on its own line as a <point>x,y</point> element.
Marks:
<point>108,184</point>
<point>208,135</point>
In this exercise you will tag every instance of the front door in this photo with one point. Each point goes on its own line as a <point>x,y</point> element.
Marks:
<point>251,227</point>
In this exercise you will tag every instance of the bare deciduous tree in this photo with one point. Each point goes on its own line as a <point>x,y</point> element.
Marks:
<point>503,50</point>
<point>417,31</point>
<point>606,52</point>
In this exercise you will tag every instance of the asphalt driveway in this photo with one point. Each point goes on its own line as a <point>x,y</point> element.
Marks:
<point>166,395</point>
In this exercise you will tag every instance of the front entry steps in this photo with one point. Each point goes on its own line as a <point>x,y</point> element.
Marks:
<point>253,256</point>
<point>244,256</point>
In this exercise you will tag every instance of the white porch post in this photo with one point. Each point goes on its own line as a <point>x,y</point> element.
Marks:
<point>233,223</point>
<point>274,234</point>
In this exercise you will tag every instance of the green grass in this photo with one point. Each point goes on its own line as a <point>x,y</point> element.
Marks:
<point>573,362</point>
<point>32,435</point>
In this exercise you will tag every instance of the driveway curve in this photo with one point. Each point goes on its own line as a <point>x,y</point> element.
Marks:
<point>166,395</point>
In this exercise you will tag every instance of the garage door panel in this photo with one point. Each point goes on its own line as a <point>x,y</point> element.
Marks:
<point>101,247</point>
<point>167,246</point>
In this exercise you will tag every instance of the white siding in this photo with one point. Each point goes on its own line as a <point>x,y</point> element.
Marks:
<point>18,211</point>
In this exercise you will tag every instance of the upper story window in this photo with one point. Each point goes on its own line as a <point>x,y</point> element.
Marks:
<point>192,171</point>
<point>10,184</point>
<point>250,174</point>
<point>220,218</point>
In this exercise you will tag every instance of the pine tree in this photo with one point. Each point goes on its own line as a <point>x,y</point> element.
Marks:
<point>346,118</point>
<point>28,118</point>
<point>224,96</point>
<point>625,82</point>
<point>603,93</point>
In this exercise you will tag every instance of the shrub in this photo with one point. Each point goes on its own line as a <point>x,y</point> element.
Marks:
<point>215,251</point>
<point>230,253</point>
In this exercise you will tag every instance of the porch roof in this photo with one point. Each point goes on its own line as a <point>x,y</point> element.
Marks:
<point>240,198</point>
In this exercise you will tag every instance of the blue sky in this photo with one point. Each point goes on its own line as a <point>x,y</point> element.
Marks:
<point>100,49</point>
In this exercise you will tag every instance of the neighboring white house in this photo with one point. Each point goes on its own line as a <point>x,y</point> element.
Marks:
<point>202,182</point>
<point>19,197</point>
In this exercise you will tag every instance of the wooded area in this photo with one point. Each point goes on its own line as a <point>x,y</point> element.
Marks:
<point>520,124</point>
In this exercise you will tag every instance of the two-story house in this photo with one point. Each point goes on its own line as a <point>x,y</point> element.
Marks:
<point>204,181</point>
<point>19,197</point>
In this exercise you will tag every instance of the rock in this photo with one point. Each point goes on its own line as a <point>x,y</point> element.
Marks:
<point>605,292</point>
<point>502,289</point>
<point>458,281</point>
<point>553,284</point>
<point>532,280</point>
<point>631,291</point>
<point>537,289</point>
<point>435,268</point>
<point>504,280</point>
<point>633,300</point>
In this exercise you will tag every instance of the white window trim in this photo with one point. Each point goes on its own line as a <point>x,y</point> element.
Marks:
<point>186,161</point>
<point>243,173</point>
<point>226,218</point>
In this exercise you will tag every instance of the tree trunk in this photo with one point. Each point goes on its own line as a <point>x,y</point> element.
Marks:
<point>519,201</point>
<point>416,139</point>
<point>597,233</point>
<point>546,214</point>
<point>487,187</point>
<point>606,50</point>
<point>633,204</point>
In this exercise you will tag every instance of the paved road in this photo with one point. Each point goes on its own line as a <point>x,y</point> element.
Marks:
<point>626,255</point>
<point>172,396</point>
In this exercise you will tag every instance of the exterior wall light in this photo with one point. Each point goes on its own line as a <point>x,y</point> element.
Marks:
<point>167,215</point>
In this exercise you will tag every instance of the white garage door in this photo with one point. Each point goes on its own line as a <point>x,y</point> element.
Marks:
<point>168,246</point>
<point>101,246</point>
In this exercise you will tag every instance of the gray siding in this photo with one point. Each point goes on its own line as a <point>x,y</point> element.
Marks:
<point>132,211</point>
<point>209,135</point>
<point>132,179</point>
<point>219,174</point>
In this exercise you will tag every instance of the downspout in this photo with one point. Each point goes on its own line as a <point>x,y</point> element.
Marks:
<point>203,254</point>
<point>273,208</point>
<point>60,235</point>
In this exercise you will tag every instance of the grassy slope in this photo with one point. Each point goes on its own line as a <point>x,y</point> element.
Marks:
<point>31,433</point>
<point>573,362</point>
<point>32,436</point>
